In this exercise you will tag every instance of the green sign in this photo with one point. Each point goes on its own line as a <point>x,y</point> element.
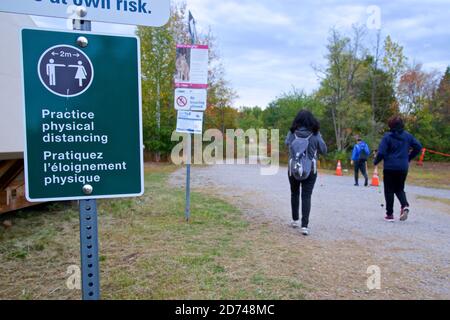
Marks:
<point>83,122</point>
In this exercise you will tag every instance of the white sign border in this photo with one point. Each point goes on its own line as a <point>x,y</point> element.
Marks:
<point>93,14</point>
<point>25,158</point>
<point>189,131</point>
<point>56,93</point>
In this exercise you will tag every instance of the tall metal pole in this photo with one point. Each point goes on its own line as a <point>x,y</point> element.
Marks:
<point>189,142</point>
<point>90,275</point>
<point>188,178</point>
<point>158,116</point>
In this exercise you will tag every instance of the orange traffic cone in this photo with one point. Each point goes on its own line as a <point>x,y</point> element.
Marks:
<point>375,179</point>
<point>339,168</point>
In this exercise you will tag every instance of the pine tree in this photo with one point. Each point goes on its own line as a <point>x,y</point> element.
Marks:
<point>442,99</point>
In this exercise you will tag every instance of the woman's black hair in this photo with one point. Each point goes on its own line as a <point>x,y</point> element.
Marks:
<point>305,119</point>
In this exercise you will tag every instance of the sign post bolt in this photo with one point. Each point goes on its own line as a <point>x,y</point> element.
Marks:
<point>81,11</point>
<point>82,42</point>
<point>87,189</point>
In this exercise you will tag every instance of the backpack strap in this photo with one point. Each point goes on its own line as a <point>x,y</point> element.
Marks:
<point>307,138</point>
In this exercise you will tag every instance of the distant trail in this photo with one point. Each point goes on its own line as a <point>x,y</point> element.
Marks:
<point>341,211</point>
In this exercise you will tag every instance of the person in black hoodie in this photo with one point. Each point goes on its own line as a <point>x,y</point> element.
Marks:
<point>304,126</point>
<point>397,149</point>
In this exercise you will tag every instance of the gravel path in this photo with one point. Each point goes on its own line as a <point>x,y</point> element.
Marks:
<point>341,211</point>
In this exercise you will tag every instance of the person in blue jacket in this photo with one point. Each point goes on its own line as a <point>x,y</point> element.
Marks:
<point>360,154</point>
<point>397,149</point>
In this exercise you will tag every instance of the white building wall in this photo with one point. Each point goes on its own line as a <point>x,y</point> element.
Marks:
<point>11,108</point>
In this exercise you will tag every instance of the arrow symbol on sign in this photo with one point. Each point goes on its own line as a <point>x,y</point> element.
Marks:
<point>55,54</point>
<point>76,55</point>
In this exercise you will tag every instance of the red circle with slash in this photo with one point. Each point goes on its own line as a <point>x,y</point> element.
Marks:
<point>182,101</point>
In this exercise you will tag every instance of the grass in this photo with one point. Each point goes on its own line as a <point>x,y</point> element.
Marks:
<point>148,251</point>
<point>431,175</point>
<point>434,199</point>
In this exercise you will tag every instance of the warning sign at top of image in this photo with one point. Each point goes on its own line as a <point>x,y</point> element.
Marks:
<point>134,12</point>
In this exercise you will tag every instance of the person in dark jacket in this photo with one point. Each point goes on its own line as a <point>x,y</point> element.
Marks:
<point>360,154</point>
<point>305,125</point>
<point>397,149</point>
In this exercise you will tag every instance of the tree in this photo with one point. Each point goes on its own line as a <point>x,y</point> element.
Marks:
<point>421,102</point>
<point>158,56</point>
<point>222,118</point>
<point>394,61</point>
<point>416,89</point>
<point>250,118</point>
<point>281,112</point>
<point>338,91</point>
<point>158,65</point>
<point>442,98</point>
<point>220,93</point>
<point>380,95</point>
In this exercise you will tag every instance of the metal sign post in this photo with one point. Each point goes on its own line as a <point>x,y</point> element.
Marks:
<point>188,178</point>
<point>90,275</point>
<point>90,270</point>
<point>61,112</point>
<point>193,33</point>
<point>83,126</point>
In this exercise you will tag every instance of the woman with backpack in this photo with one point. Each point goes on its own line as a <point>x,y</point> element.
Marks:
<point>305,143</point>
<point>397,149</point>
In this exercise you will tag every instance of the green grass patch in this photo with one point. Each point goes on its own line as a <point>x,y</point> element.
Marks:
<point>435,199</point>
<point>147,249</point>
<point>430,175</point>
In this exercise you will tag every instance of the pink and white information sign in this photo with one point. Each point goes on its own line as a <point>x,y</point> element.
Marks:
<point>191,66</point>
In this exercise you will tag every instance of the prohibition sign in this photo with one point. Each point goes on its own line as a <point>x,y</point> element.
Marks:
<point>182,101</point>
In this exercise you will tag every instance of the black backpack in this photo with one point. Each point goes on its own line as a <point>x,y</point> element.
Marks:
<point>363,154</point>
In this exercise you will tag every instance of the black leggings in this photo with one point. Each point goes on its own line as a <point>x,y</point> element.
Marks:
<point>394,183</point>
<point>307,189</point>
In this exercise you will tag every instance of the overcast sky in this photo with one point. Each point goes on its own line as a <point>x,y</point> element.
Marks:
<point>269,46</point>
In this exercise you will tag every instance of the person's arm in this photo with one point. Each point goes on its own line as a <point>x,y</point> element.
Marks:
<point>321,145</point>
<point>367,150</point>
<point>355,153</point>
<point>288,139</point>
<point>416,148</point>
<point>382,149</point>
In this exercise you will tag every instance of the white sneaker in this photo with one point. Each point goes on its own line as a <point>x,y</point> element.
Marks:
<point>305,231</point>
<point>295,224</point>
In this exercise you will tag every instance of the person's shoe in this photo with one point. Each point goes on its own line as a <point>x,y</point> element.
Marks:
<point>356,185</point>
<point>404,214</point>
<point>305,231</point>
<point>366,184</point>
<point>389,218</point>
<point>295,224</point>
